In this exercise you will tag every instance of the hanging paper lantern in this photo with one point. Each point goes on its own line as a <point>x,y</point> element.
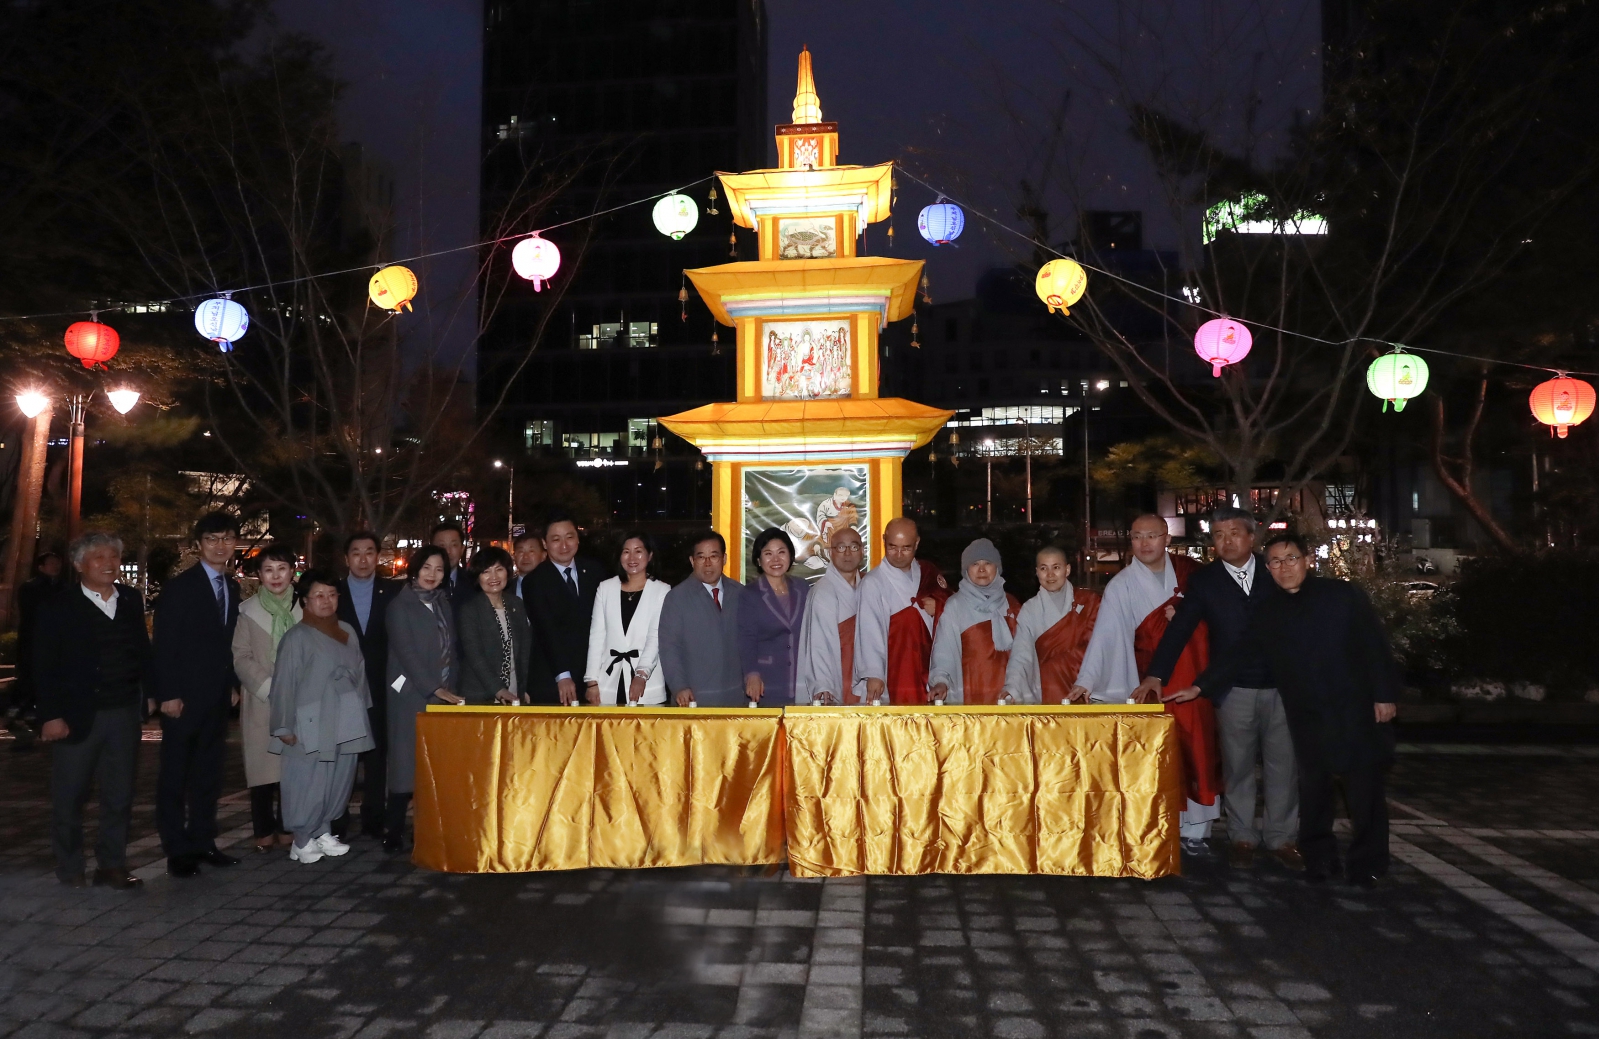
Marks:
<point>1061,283</point>
<point>675,216</point>
<point>536,259</point>
<point>392,288</point>
<point>1561,403</point>
<point>1396,378</point>
<point>222,321</point>
<point>1221,342</point>
<point>941,223</point>
<point>92,343</point>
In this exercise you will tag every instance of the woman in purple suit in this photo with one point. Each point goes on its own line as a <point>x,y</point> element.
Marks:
<point>769,622</point>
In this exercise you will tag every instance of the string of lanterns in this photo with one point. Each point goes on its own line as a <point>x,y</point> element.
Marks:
<point>1394,378</point>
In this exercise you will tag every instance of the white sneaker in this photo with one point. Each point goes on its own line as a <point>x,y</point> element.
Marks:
<point>308,854</point>
<point>331,845</point>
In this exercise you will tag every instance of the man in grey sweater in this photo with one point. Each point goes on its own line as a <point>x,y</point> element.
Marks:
<point>699,631</point>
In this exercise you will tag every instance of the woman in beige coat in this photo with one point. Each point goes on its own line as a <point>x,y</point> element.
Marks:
<point>264,618</point>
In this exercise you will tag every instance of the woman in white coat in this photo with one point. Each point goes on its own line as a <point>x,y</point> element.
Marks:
<point>624,666</point>
<point>264,618</point>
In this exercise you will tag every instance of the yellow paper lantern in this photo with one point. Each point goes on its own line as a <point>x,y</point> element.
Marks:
<point>1060,284</point>
<point>392,288</point>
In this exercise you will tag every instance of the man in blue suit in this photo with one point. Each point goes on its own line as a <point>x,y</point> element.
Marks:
<point>1250,720</point>
<point>196,687</point>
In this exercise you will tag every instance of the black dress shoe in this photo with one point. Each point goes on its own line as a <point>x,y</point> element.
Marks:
<point>183,866</point>
<point>218,858</point>
<point>1365,881</point>
<point>119,879</point>
<point>71,880</point>
<point>393,844</point>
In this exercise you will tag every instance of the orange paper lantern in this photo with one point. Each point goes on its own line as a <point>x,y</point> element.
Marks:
<point>1561,403</point>
<point>92,343</point>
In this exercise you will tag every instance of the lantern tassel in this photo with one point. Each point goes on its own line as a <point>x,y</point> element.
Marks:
<point>1215,368</point>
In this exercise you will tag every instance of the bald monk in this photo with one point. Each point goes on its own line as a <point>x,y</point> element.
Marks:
<point>827,634</point>
<point>1052,633</point>
<point>894,628</point>
<point>1139,602</point>
<point>972,647</point>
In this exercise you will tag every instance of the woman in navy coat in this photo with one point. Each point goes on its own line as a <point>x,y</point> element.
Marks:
<point>769,621</point>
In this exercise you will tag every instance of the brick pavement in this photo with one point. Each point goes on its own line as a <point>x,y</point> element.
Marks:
<point>1487,928</point>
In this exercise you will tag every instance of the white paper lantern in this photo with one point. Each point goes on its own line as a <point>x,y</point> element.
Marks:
<point>676,215</point>
<point>222,321</point>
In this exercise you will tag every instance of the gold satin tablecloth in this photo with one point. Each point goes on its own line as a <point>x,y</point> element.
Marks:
<point>1083,790</point>
<point>533,788</point>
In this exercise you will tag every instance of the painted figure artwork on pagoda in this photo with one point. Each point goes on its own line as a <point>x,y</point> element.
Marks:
<point>808,447</point>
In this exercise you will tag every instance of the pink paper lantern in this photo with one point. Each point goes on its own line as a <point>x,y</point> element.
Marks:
<point>537,260</point>
<point>1221,342</point>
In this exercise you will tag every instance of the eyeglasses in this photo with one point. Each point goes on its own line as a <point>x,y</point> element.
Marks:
<point>1282,561</point>
<point>1149,536</point>
<point>218,539</point>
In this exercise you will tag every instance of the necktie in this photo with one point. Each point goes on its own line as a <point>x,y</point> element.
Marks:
<point>222,597</point>
<point>571,582</point>
<point>1242,577</point>
<point>716,596</point>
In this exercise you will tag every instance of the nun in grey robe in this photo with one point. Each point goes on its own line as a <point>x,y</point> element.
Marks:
<point>320,697</point>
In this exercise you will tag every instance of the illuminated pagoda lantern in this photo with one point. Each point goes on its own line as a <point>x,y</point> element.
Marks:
<point>809,446</point>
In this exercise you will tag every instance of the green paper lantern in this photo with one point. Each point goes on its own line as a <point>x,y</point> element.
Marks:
<point>1396,378</point>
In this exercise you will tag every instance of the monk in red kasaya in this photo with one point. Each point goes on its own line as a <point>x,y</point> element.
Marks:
<point>894,628</point>
<point>1139,602</point>
<point>1052,634</point>
<point>971,648</point>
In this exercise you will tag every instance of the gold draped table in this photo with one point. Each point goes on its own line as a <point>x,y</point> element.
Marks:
<point>1083,790</point>
<point>512,789</point>
<point>1089,791</point>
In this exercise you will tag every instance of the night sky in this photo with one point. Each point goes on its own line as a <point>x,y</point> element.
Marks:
<point>959,92</point>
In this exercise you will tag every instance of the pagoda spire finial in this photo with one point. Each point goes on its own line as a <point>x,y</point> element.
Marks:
<point>807,106</point>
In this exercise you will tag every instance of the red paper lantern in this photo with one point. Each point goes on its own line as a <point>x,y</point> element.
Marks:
<point>92,343</point>
<point>1561,403</point>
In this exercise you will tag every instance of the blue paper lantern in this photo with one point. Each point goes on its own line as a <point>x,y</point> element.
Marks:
<point>941,223</point>
<point>222,321</point>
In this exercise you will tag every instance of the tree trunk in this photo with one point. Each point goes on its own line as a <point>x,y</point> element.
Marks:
<point>1459,482</point>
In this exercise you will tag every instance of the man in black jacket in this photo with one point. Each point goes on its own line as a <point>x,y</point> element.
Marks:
<point>1339,682</point>
<point>559,595</point>
<point>196,686</point>
<point>93,661</point>
<point>1250,720</point>
<point>363,603</point>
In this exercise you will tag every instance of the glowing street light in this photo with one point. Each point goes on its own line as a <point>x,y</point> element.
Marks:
<point>123,400</point>
<point>31,403</point>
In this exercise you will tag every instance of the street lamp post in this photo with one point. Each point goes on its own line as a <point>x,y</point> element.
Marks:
<point>32,403</point>
<point>510,502</point>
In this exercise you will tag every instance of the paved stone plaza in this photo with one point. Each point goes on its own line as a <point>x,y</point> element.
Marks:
<point>1488,927</point>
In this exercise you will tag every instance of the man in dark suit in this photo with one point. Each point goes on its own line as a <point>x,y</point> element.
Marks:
<point>1339,683</point>
<point>559,596</point>
<point>44,583</point>
<point>529,553</point>
<point>449,536</point>
<point>363,603</point>
<point>196,686</point>
<point>1250,719</point>
<point>95,669</point>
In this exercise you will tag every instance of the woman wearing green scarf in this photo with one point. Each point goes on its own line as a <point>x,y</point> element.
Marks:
<point>263,620</point>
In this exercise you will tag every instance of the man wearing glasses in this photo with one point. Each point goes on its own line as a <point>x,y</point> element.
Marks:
<point>195,688</point>
<point>1338,682</point>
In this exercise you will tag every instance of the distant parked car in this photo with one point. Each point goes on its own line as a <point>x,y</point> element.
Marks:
<point>1420,589</point>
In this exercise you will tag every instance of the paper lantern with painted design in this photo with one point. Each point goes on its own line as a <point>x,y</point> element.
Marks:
<point>1060,283</point>
<point>392,288</point>
<point>1561,403</point>
<point>92,343</point>
<point>676,215</point>
<point>222,321</point>
<point>1222,341</point>
<point>537,260</point>
<point>1396,378</point>
<point>941,223</point>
